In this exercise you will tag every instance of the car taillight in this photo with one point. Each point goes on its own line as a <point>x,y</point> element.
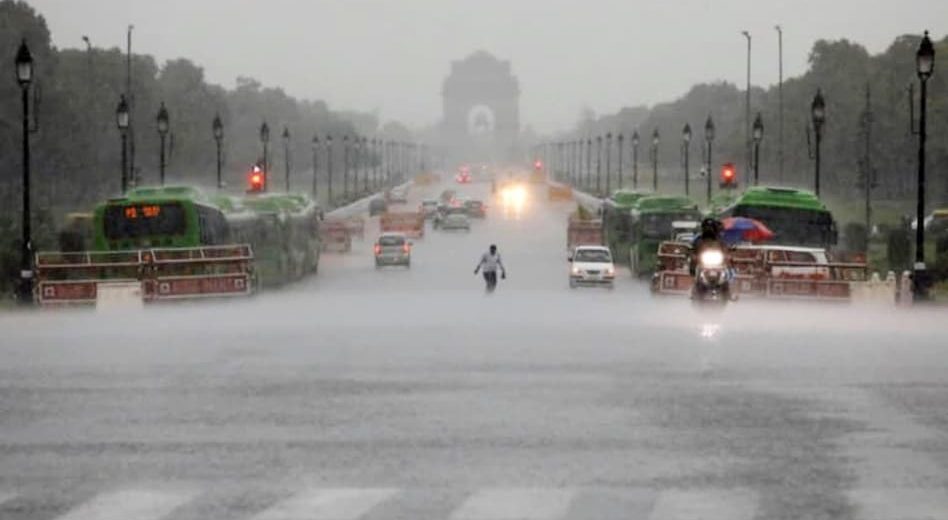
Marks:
<point>378,249</point>
<point>405,248</point>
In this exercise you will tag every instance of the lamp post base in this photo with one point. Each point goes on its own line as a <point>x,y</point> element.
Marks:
<point>921,283</point>
<point>24,292</point>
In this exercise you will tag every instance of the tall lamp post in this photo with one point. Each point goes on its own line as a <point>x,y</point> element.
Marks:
<point>286,156</point>
<point>925,67</point>
<point>365,165</point>
<point>329,166</point>
<point>163,125</point>
<point>608,163</point>
<point>121,121</point>
<point>24,76</point>
<point>709,141</point>
<point>316,168</point>
<point>686,150</point>
<point>598,165</point>
<point>589,147</point>
<point>747,107</point>
<point>635,160</point>
<point>818,113</point>
<point>265,141</point>
<point>758,135</point>
<point>218,128</point>
<point>655,140</point>
<point>621,157</point>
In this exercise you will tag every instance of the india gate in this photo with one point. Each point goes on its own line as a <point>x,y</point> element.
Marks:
<point>481,115</point>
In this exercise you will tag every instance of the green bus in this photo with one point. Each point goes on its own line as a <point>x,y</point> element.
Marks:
<point>797,217</point>
<point>617,222</point>
<point>283,230</point>
<point>652,223</point>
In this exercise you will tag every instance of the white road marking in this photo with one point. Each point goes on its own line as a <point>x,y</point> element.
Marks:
<point>904,504</point>
<point>133,504</point>
<point>327,504</point>
<point>705,505</point>
<point>515,504</point>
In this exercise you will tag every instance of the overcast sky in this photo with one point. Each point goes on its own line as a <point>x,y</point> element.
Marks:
<point>392,55</point>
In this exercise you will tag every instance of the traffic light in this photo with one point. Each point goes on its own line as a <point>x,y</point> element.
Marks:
<point>257,180</point>
<point>728,176</point>
<point>538,165</point>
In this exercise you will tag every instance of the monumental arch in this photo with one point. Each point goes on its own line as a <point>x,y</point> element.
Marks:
<point>481,121</point>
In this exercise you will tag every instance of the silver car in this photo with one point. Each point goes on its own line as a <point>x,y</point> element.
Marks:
<point>392,249</point>
<point>455,221</point>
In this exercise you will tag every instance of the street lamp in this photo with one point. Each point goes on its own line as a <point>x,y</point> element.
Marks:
<point>265,140</point>
<point>122,121</point>
<point>686,149</point>
<point>589,146</point>
<point>365,169</point>
<point>345,168</point>
<point>218,128</point>
<point>163,125</point>
<point>24,75</point>
<point>818,113</point>
<point>635,160</point>
<point>621,157</point>
<point>598,165</point>
<point>758,135</point>
<point>925,67</point>
<point>286,155</point>
<point>608,163</point>
<point>709,140</point>
<point>315,168</point>
<point>329,165</point>
<point>655,139</point>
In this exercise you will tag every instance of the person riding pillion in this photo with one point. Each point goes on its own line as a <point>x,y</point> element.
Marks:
<point>489,263</point>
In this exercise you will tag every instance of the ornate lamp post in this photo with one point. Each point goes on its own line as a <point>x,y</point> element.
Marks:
<point>265,140</point>
<point>686,152</point>
<point>758,135</point>
<point>24,76</point>
<point>163,125</point>
<point>709,141</point>
<point>598,165</point>
<point>218,128</point>
<point>286,156</point>
<point>621,157</point>
<point>818,113</point>
<point>655,139</point>
<point>316,168</point>
<point>925,67</point>
<point>635,160</point>
<point>608,163</point>
<point>329,166</point>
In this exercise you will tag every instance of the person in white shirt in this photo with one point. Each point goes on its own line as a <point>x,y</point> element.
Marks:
<point>490,262</point>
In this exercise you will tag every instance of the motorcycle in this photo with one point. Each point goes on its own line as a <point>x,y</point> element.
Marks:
<point>712,278</point>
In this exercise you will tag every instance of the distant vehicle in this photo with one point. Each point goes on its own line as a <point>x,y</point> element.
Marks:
<point>429,207</point>
<point>652,222</point>
<point>398,196</point>
<point>463,178</point>
<point>454,220</point>
<point>591,265</point>
<point>475,208</point>
<point>377,206</point>
<point>583,230</point>
<point>392,249</point>
<point>797,217</point>
<point>447,196</point>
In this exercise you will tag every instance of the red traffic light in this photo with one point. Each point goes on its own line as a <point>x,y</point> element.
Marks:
<point>538,165</point>
<point>257,180</point>
<point>728,175</point>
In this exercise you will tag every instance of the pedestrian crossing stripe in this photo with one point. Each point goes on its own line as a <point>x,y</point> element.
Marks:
<point>519,504</point>
<point>327,504</point>
<point>131,504</point>
<point>507,504</point>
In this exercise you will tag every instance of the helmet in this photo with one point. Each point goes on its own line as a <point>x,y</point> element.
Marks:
<point>493,248</point>
<point>709,225</point>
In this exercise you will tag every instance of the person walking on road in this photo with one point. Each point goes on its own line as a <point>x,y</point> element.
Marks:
<point>489,263</point>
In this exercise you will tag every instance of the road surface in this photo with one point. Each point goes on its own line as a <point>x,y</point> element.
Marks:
<point>412,394</point>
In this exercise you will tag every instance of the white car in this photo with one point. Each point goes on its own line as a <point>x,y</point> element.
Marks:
<point>591,265</point>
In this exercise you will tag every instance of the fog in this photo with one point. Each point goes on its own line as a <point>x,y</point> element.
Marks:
<point>393,55</point>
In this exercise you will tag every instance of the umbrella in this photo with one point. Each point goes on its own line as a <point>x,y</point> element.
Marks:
<point>743,229</point>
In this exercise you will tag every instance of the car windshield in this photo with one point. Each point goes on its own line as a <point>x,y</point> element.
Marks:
<point>593,256</point>
<point>391,240</point>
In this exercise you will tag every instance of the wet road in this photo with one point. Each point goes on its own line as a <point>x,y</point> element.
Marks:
<point>412,394</point>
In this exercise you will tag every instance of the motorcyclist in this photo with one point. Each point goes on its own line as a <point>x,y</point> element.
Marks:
<point>489,263</point>
<point>710,238</point>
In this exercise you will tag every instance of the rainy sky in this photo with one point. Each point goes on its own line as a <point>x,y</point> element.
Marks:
<point>392,55</point>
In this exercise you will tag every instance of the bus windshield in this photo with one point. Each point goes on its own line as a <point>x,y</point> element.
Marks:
<point>144,220</point>
<point>794,226</point>
<point>659,225</point>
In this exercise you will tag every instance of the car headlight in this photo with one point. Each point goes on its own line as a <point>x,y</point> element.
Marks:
<point>577,271</point>
<point>611,271</point>
<point>712,258</point>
